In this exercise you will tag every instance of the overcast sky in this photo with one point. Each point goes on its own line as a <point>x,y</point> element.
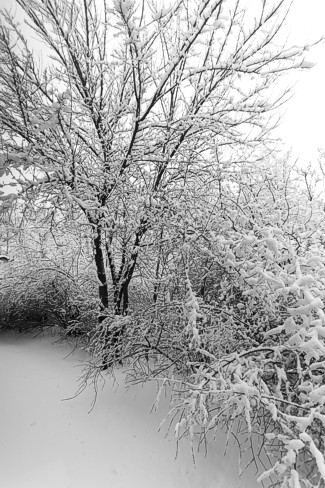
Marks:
<point>303,126</point>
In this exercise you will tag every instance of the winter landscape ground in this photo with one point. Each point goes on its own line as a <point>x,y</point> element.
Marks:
<point>49,442</point>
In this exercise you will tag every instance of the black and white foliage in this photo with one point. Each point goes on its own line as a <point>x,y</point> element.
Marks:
<point>149,126</point>
<point>133,104</point>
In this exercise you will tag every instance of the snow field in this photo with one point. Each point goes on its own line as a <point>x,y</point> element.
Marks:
<point>49,442</point>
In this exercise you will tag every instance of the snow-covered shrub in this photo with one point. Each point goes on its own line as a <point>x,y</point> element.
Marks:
<point>265,376</point>
<point>281,379</point>
<point>237,325</point>
<point>46,282</point>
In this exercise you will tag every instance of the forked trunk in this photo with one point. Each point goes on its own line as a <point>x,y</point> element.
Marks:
<point>101,274</point>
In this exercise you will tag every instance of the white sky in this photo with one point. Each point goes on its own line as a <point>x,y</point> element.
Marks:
<point>302,127</point>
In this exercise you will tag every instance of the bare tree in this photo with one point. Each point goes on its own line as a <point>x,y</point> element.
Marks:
<point>130,107</point>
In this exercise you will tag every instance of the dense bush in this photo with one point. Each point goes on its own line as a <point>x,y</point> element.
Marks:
<point>47,282</point>
<point>247,353</point>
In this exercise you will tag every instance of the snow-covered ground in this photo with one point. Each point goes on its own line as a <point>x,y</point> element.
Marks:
<point>47,442</point>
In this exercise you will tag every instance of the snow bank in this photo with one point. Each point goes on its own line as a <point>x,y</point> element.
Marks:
<point>48,442</point>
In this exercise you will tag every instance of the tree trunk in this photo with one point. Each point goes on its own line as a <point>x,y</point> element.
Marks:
<point>121,299</point>
<point>101,273</point>
<point>121,281</point>
<point>113,339</point>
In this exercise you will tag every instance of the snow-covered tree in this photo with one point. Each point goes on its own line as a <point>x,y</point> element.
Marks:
<point>130,105</point>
